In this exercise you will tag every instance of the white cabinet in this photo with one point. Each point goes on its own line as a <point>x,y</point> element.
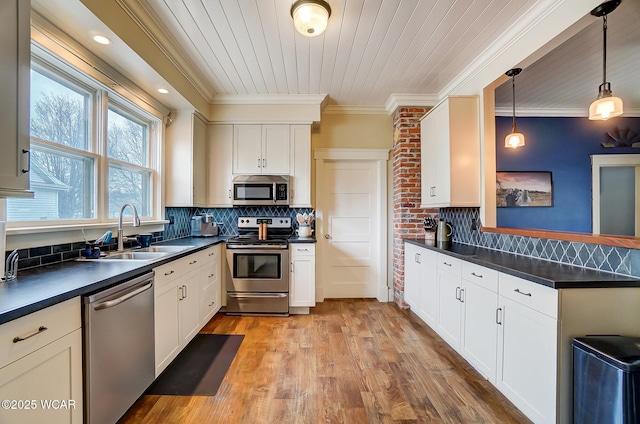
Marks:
<point>209,281</point>
<point>302,285</point>
<point>43,368</point>
<point>188,305</point>
<point>261,149</point>
<point>450,304</point>
<point>219,173</point>
<point>14,97</point>
<point>420,282</point>
<point>167,313</point>
<point>480,333</point>
<point>300,166</point>
<point>450,154</point>
<point>186,161</point>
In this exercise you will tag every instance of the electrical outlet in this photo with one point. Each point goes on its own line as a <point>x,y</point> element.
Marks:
<point>474,225</point>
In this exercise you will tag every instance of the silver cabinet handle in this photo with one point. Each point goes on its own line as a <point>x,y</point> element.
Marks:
<point>229,194</point>
<point>476,275</point>
<point>327,236</point>
<point>38,331</point>
<point>462,295</point>
<point>191,263</point>
<point>212,303</point>
<point>259,163</point>
<point>499,316</point>
<point>169,273</point>
<point>446,263</point>
<point>28,153</point>
<point>211,275</point>
<point>185,292</point>
<point>181,288</point>
<point>264,163</point>
<point>291,266</point>
<point>302,250</point>
<point>457,293</point>
<point>522,293</point>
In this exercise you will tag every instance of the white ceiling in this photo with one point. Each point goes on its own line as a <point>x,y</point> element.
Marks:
<point>370,50</point>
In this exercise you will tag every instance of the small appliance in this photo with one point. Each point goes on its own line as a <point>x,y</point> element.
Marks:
<point>444,231</point>
<point>260,190</point>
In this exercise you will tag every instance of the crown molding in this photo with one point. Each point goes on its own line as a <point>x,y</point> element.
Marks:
<point>269,99</point>
<point>582,112</point>
<point>397,100</point>
<point>354,110</point>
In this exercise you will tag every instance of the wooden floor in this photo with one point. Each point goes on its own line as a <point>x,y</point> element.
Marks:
<point>349,361</point>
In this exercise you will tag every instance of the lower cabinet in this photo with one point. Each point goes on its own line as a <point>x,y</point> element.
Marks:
<point>187,294</point>
<point>420,283</point>
<point>41,375</point>
<point>302,282</point>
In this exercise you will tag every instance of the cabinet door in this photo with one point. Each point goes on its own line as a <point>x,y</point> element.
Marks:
<point>300,166</point>
<point>209,282</point>
<point>412,276</point>
<point>303,276</point>
<point>166,322</point>
<point>189,306</point>
<point>450,308</point>
<point>527,358</point>
<point>443,156</point>
<point>199,160</point>
<point>219,159</point>
<point>428,158</point>
<point>247,149</point>
<point>52,373</point>
<point>480,338</point>
<point>14,92</point>
<point>429,287</point>
<point>275,149</point>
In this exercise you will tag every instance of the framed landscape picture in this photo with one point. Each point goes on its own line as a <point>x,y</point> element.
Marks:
<point>516,189</point>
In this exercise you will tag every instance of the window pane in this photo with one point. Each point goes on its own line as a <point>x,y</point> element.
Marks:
<point>129,186</point>
<point>59,113</point>
<point>127,139</point>
<point>63,187</point>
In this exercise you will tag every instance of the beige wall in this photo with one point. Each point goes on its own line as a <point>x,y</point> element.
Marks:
<point>353,132</point>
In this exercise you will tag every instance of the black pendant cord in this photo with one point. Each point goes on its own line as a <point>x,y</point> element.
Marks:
<point>604,50</point>
<point>513,91</point>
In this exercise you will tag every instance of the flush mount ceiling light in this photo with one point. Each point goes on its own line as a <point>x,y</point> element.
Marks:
<point>310,17</point>
<point>514,139</point>
<point>606,105</point>
<point>101,39</point>
<point>163,91</point>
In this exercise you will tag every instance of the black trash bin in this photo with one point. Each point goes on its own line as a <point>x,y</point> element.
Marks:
<point>606,380</point>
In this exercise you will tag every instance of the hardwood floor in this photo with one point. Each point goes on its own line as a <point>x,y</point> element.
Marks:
<point>349,361</point>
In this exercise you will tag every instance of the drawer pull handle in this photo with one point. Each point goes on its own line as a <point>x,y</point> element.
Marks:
<point>446,263</point>
<point>211,275</point>
<point>169,273</point>
<point>303,250</point>
<point>38,331</point>
<point>211,254</point>
<point>212,303</point>
<point>191,263</point>
<point>476,275</point>
<point>522,293</point>
<point>499,316</point>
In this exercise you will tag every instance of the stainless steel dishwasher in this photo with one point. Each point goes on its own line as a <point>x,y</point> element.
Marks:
<point>119,350</point>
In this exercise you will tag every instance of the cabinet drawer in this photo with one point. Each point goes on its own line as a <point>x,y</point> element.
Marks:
<point>59,320</point>
<point>212,253</point>
<point>449,264</point>
<point>195,260</point>
<point>169,272</point>
<point>538,297</point>
<point>480,275</point>
<point>302,249</point>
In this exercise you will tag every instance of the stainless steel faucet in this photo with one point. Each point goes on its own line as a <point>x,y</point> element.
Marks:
<point>135,222</point>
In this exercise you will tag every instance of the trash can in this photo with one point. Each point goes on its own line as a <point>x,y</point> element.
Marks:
<point>606,380</point>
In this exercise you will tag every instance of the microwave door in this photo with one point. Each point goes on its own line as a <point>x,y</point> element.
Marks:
<point>253,191</point>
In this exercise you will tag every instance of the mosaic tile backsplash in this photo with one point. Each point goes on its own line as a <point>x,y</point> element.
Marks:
<point>605,258</point>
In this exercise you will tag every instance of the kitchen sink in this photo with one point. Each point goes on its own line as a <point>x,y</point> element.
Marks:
<point>164,249</point>
<point>137,255</point>
<point>148,254</point>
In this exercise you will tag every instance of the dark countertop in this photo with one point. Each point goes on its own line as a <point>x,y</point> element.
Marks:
<point>39,288</point>
<point>552,274</point>
<point>296,239</point>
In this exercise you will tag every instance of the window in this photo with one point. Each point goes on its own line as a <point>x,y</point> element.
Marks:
<point>89,147</point>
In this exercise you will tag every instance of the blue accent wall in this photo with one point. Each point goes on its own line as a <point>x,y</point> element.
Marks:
<point>562,146</point>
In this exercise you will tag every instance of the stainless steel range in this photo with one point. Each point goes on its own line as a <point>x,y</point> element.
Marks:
<point>258,267</point>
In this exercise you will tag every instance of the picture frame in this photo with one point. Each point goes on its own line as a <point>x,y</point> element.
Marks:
<point>516,189</point>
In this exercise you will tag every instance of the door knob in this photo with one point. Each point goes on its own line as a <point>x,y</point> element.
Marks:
<point>327,236</point>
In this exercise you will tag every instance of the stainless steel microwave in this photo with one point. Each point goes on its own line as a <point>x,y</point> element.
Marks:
<point>261,190</point>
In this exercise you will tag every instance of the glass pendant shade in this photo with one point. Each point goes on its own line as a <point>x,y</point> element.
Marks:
<point>605,107</point>
<point>310,17</point>
<point>513,140</point>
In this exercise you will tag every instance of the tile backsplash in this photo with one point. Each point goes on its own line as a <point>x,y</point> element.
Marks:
<point>605,258</point>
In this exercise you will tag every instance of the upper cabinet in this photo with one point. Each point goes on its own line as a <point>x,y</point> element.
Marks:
<point>15,49</point>
<point>219,165</point>
<point>261,149</point>
<point>300,167</point>
<point>186,161</point>
<point>450,152</point>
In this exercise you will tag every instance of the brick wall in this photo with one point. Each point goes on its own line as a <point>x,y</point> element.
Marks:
<point>407,214</point>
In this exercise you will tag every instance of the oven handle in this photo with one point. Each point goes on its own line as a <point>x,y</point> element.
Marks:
<point>257,246</point>
<point>258,295</point>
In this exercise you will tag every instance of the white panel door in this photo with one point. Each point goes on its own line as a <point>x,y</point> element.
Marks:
<point>349,205</point>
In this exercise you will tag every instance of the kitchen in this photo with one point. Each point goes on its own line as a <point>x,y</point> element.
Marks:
<point>341,130</point>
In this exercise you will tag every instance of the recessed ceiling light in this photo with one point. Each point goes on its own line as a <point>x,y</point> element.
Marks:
<point>163,90</point>
<point>101,39</point>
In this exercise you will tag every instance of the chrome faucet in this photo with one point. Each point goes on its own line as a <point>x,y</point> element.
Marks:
<point>135,222</point>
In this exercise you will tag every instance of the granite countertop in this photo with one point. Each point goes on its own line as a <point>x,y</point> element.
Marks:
<point>41,287</point>
<point>552,274</point>
<point>296,239</point>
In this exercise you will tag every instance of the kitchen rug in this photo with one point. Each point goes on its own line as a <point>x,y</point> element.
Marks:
<point>200,368</point>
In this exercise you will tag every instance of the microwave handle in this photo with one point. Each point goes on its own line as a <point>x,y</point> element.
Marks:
<point>275,193</point>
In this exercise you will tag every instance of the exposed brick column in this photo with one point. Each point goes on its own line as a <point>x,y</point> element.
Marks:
<point>407,214</point>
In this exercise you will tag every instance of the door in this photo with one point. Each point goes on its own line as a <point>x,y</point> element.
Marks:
<point>349,206</point>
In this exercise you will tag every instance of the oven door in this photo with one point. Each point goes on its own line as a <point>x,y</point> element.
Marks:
<point>258,269</point>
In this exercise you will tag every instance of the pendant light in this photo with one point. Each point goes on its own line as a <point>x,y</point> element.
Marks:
<point>606,105</point>
<point>514,139</point>
<point>310,17</point>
